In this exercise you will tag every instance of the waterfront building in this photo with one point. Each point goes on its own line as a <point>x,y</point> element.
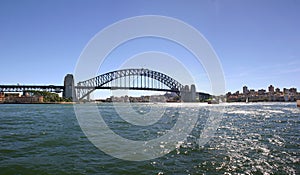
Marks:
<point>285,91</point>
<point>261,92</point>
<point>2,97</point>
<point>245,90</point>
<point>261,95</point>
<point>12,95</point>
<point>252,92</point>
<point>293,91</point>
<point>286,97</point>
<point>24,99</point>
<point>203,96</point>
<point>271,89</point>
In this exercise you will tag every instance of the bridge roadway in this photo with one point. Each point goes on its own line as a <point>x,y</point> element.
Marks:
<point>22,88</point>
<point>58,89</point>
<point>127,88</point>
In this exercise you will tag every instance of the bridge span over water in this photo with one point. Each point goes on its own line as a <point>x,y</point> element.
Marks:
<point>125,79</point>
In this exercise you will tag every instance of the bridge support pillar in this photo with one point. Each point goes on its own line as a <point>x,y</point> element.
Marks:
<point>69,89</point>
<point>187,94</point>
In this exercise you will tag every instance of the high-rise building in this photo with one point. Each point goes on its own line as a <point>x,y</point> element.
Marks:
<point>252,92</point>
<point>271,88</point>
<point>293,91</point>
<point>261,92</point>
<point>285,91</point>
<point>245,90</point>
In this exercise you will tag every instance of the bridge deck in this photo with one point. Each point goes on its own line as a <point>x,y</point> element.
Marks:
<point>21,88</point>
<point>137,88</point>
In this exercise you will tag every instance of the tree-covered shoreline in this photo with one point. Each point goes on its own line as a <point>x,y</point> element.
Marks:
<point>49,97</point>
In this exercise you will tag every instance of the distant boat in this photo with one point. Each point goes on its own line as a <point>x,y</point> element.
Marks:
<point>298,103</point>
<point>247,100</point>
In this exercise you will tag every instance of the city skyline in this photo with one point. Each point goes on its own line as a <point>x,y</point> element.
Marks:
<point>271,94</point>
<point>257,42</point>
<point>245,87</point>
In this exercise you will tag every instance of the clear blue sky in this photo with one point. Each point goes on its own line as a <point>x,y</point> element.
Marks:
<point>257,41</point>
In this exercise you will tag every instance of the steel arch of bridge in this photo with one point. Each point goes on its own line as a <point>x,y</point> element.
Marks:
<point>84,88</point>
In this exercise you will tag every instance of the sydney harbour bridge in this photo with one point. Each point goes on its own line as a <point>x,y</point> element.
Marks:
<point>125,79</point>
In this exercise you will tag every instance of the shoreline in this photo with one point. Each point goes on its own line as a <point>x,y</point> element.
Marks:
<point>42,103</point>
<point>150,102</point>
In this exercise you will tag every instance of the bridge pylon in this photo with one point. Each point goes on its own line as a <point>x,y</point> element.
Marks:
<point>69,88</point>
<point>188,94</point>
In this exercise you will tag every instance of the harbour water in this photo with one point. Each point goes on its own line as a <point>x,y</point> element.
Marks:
<point>252,138</point>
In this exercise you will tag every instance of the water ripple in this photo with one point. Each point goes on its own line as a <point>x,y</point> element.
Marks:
<point>260,138</point>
